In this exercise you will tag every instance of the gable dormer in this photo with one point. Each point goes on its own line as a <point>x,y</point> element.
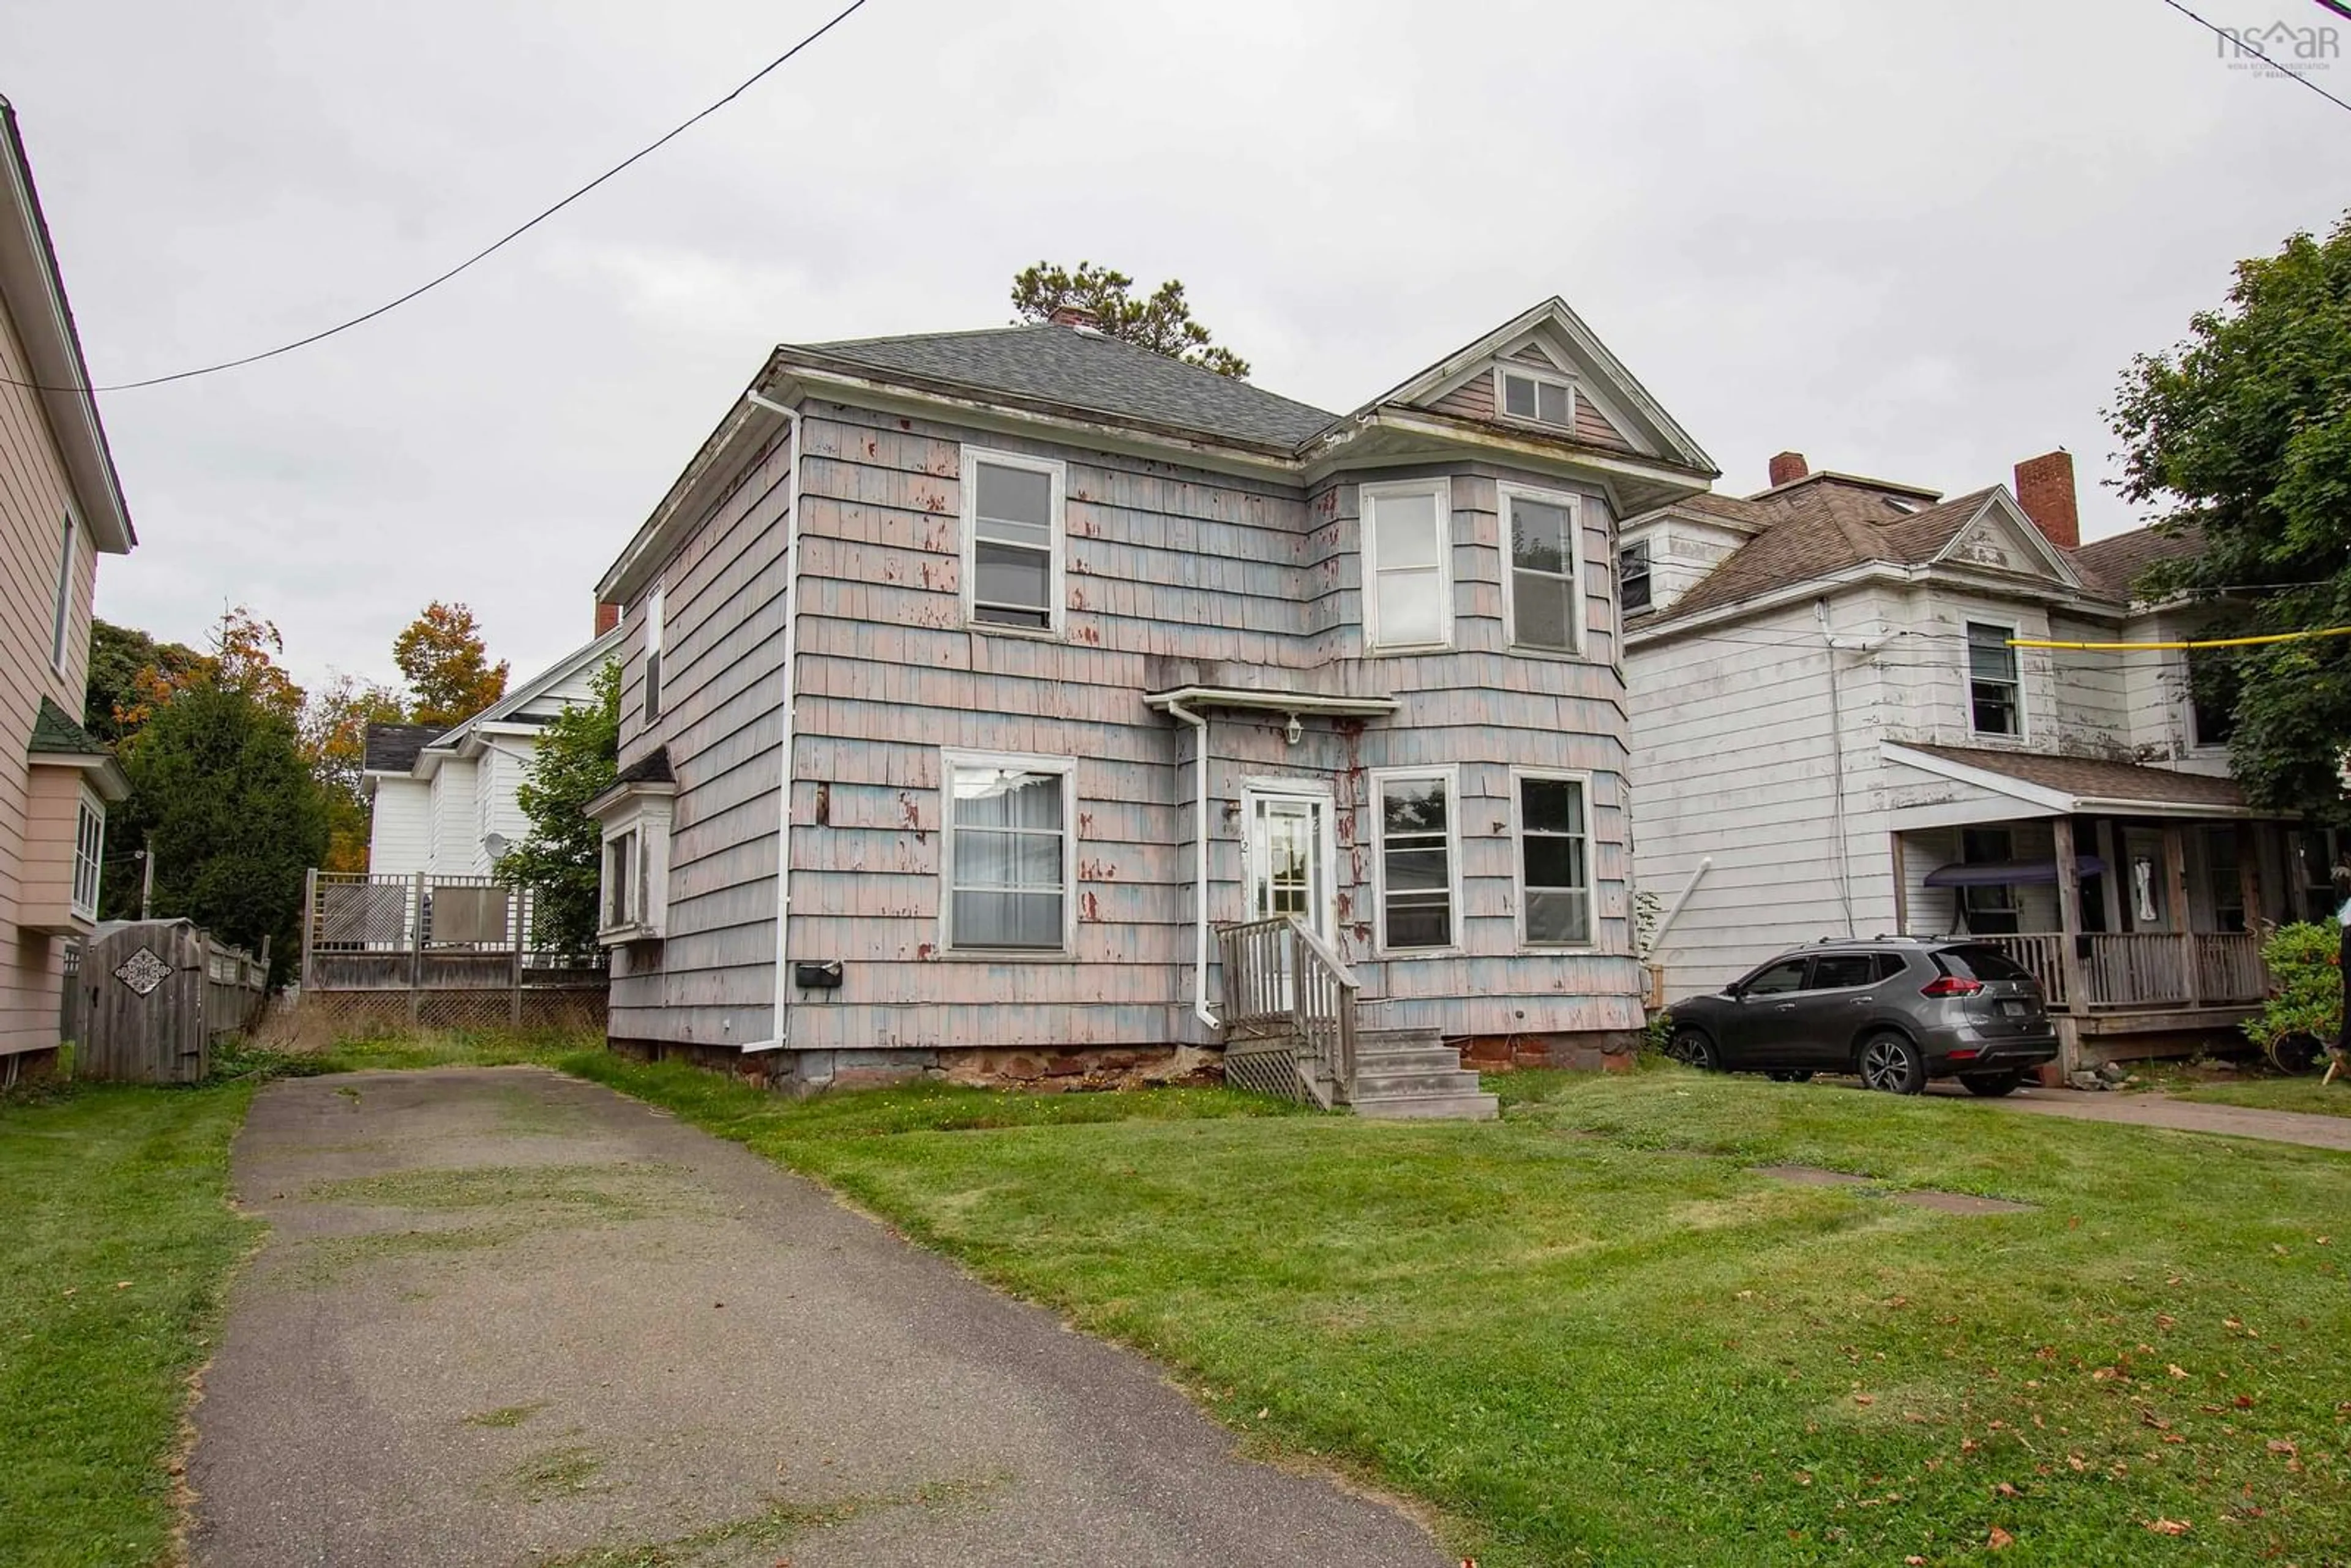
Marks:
<point>1997,536</point>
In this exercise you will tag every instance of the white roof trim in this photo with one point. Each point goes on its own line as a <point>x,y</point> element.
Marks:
<point>531,690</point>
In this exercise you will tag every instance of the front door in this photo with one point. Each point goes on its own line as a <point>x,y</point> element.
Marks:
<point>1290,857</point>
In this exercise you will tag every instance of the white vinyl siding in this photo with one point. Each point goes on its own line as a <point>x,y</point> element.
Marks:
<point>1407,552</point>
<point>1008,853</point>
<point>1013,531</point>
<point>1419,866</point>
<point>1541,592</point>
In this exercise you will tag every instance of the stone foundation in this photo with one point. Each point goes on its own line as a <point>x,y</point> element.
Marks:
<point>1589,1051</point>
<point>801,1073</point>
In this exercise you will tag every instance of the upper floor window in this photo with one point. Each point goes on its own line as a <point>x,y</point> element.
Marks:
<point>1012,540</point>
<point>63,613</point>
<point>1554,861</point>
<point>1539,600</point>
<point>2211,698</point>
<point>1532,396</point>
<point>1633,576</point>
<point>1407,531</point>
<point>1994,703</point>
<point>90,856</point>
<point>1420,858</point>
<point>654,654</point>
<point>1008,852</point>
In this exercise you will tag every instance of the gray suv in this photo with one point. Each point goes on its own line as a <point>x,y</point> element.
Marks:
<point>1896,1009</point>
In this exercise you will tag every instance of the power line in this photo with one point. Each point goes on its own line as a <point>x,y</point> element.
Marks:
<point>2239,40</point>
<point>481,255</point>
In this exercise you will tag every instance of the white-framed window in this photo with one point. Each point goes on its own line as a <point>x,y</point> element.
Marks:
<point>1633,588</point>
<point>1407,538</point>
<point>1995,696</point>
<point>1537,397</point>
<point>64,611</point>
<point>625,879</point>
<point>1552,814</point>
<point>90,855</point>
<point>1541,598</point>
<point>653,653</point>
<point>1419,863</point>
<point>1014,533</point>
<point>1010,855</point>
<point>632,900</point>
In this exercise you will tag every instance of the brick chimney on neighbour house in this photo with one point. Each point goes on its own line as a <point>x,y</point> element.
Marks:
<point>607,617</point>
<point>2044,488</point>
<point>1787,468</point>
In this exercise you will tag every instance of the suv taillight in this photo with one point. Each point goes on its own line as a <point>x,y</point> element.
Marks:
<point>1952,986</point>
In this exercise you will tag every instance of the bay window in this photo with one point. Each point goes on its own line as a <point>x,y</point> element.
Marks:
<point>1540,597</point>
<point>1407,560</point>
<point>1420,858</point>
<point>1554,860</point>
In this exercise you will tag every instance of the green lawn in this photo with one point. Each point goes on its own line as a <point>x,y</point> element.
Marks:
<point>116,1246</point>
<point>1590,1333</point>
<point>2266,1093</point>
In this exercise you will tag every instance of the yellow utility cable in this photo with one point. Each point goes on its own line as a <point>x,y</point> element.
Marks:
<point>2213,642</point>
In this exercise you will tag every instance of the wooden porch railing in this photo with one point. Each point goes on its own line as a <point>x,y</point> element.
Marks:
<point>2145,968</point>
<point>1287,1011</point>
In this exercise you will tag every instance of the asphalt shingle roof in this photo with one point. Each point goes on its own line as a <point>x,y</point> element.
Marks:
<point>2090,778</point>
<point>2114,564</point>
<point>653,768</point>
<point>57,734</point>
<point>1816,527</point>
<point>1085,370</point>
<point>394,748</point>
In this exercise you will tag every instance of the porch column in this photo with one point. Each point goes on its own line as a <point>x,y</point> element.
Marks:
<point>2250,849</point>
<point>2175,872</point>
<point>2069,917</point>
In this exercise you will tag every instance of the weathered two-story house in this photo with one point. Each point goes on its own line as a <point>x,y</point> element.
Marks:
<point>1842,727</point>
<point>1109,708</point>
<point>60,507</point>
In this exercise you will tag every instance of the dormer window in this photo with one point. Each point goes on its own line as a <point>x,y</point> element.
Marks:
<point>1536,398</point>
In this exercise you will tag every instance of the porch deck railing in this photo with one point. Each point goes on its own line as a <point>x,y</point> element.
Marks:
<point>460,949</point>
<point>1287,1011</point>
<point>2144,969</point>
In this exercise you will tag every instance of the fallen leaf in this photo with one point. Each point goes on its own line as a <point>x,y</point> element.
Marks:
<point>1803,1477</point>
<point>2165,1320</point>
<point>2005,1490</point>
<point>1264,1413</point>
<point>2232,1322</point>
<point>2280,1445</point>
<point>2105,1375</point>
<point>2175,1370</point>
<point>2173,1437</point>
<point>2002,1539</point>
<point>2077,1461</point>
<point>122,1284</point>
<point>2168,1526</point>
<point>1865,1399</point>
<point>1914,1562</point>
<point>2244,1401</point>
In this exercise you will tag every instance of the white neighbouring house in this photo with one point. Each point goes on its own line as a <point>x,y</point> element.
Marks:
<point>1834,735</point>
<point>445,799</point>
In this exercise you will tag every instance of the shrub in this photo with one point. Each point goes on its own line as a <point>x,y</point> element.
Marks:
<point>2305,986</point>
<point>1657,1033</point>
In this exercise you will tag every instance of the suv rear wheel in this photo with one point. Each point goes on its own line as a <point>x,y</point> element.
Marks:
<point>1890,1063</point>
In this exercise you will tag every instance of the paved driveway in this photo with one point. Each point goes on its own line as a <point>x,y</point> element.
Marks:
<point>505,1317</point>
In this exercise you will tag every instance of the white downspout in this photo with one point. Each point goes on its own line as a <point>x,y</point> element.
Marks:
<point>784,745</point>
<point>1200,1009</point>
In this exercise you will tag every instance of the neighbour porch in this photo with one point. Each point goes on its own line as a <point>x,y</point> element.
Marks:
<point>2136,895</point>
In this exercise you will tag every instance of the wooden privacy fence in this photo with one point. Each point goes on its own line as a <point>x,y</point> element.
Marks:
<point>1288,1012</point>
<point>448,951</point>
<point>152,997</point>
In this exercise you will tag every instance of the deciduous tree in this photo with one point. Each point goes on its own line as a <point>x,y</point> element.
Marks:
<point>333,728</point>
<point>114,700</point>
<point>2242,432</point>
<point>560,862</point>
<point>1162,323</point>
<point>447,666</point>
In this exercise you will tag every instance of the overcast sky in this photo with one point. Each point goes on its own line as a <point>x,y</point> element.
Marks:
<point>1914,242</point>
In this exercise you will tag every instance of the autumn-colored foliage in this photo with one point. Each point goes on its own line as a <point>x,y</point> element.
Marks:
<point>333,728</point>
<point>442,655</point>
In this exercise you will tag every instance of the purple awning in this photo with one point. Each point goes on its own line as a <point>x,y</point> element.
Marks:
<point>2009,873</point>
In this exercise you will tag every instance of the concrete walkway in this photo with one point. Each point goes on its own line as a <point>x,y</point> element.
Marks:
<point>508,1318</point>
<point>2147,1110</point>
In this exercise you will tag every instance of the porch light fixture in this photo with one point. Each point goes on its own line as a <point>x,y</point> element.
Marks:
<point>1293,732</point>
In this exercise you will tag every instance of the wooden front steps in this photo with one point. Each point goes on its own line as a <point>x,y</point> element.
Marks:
<point>1404,1073</point>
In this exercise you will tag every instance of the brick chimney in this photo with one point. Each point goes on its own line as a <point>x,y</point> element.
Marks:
<point>607,617</point>
<point>1787,468</point>
<point>1073,315</point>
<point>2044,488</point>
